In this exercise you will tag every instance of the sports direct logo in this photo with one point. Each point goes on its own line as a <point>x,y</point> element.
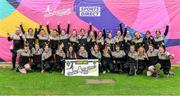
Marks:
<point>90,11</point>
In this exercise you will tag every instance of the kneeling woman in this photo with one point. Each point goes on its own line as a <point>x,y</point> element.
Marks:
<point>152,64</point>
<point>164,60</point>
<point>47,59</point>
<point>107,60</point>
<point>119,58</point>
<point>60,58</point>
<point>36,56</point>
<point>71,54</point>
<point>142,59</point>
<point>24,59</point>
<point>131,63</point>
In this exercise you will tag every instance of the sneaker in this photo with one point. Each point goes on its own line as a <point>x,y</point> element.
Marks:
<point>104,72</point>
<point>167,75</point>
<point>62,72</point>
<point>42,71</point>
<point>157,76</point>
<point>171,73</point>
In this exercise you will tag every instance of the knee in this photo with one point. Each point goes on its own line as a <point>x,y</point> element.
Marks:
<point>151,68</point>
<point>149,73</point>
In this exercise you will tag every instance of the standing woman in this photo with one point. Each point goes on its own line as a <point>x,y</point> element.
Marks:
<point>71,54</point>
<point>119,37</point>
<point>159,39</point>
<point>142,60</point>
<point>73,39</point>
<point>164,60</point>
<point>24,59</point>
<point>127,42</point>
<point>64,36</point>
<point>148,39</point>
<point>82,53</point>
<point>30,35</point>
<point>152,64</point>
<point>137,40</point>
<point>42,38</point>
<point>60,58</point>
<point>118,58</point>
<point>91,38</point>
<point>36,57</point>
<point>131,63</point>
<point>110,41</point>
<point>18,42</point>
<point>47,59</point>
<point>82,38</point>
<point>100,39</point>
<point>53,38</point>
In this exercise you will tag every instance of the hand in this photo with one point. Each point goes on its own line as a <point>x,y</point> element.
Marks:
<point>126,25</point>
<point>8,34</point>
<point>172,55</point>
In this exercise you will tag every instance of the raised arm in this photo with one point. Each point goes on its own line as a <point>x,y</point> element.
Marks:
<point>104,33</point>
<point>95,34</point>
<point>59,29</point>
<point>48,29</point>
<point>68,29</point>
<point>125,31</point>
<point>36,33</point>
<point>9,38</point>
<point>166,30</point>
<point>120,28</point>
<point>38,30</point>
<point>22,29</point>
<point>90,28</point>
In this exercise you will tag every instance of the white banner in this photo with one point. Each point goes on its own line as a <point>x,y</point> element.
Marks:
<point>82,67</point>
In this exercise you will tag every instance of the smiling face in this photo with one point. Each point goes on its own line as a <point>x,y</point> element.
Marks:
<point>100,34</point>
<point>118,33</point>
<point>70,49</point>
<point>30,31</point>
<point>117,48</point>
<point>148,34</point>
<point>132,49</point>
<point>63,32</point>
<point>42,32</point>
<point>96,48</point>
<point>37,46</point>
<point>109,35</point>
<point>82,49</point>
<point>158,33</point>
<point>74,32</point>
<point>141,50</point>
<point>137,35</point>
<point>46,49</point>
<point>151,48</point>
<point>26,48</point>
<point>18,31</point>
<point>161,50</point>
<point>82,31</point>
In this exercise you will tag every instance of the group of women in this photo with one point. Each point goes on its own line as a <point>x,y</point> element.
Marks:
<point>47,51</point>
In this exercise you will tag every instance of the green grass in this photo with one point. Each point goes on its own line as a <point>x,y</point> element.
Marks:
<point>35,83</point>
